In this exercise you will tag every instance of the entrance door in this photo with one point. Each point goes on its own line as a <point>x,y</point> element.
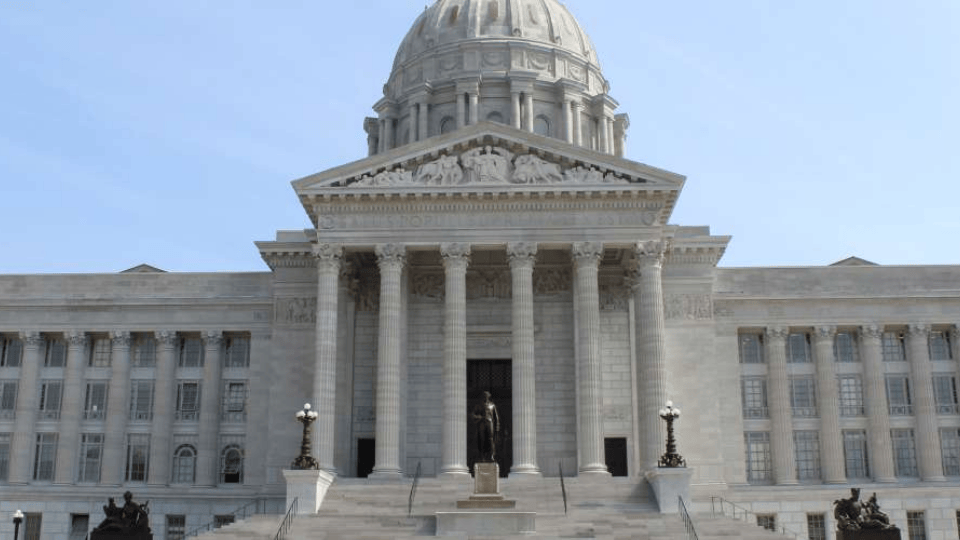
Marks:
<point>366,455</point>
<point>494,376</point>
<point>616,455</point>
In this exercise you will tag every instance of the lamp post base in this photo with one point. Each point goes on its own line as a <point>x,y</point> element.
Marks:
<point>310,487</point>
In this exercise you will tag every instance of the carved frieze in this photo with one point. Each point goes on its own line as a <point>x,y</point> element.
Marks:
<point>427,285</point>
<point>690,307</point>
<point>614,293</point>
<point>487,283</point>
<point>552,281</point>
<point>368,291</point>
<point>295,310</point>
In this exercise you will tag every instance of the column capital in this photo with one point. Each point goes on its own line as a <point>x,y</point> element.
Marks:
<point>777,332</point>
<point>918,329</point>
<point>650,251</point>
<point>329,256</point>
<point>871,331</point>
<point>31,338</point>
<point>825,331</point>
<point>521,253</point>
<point>76,339</point>
<point>212,338</point>
<point>587,252</point>
<point>391,254</point>
<point>166,338</point>
<point>454,252</point>
<point>120,338</point>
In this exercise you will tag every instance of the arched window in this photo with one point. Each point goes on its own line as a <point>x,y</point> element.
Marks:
<point>231,464</point>
<point>541,126</point>
<point>184,465</point>
<point>495,117</point>
<point>447,125</point>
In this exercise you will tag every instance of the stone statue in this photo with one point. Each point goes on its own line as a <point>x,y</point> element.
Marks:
<point>488,429</point>
<point>853,515</point>
<point>129,521</point>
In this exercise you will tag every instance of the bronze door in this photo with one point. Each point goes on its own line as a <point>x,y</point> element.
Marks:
<point>494,376</point>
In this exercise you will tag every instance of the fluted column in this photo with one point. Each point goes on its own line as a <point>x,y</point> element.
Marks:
<point>456,257</point>
<point>71,408</point>
<point>117,409</point>
<point>651,358</point>
<point>611,140</point>
<point>391,259</point>
<point>474,106</point>
<point>522,256</point>
<point>831,439</point>
<point>586,257</point>
<point>164,396</point>
<point>208,453</point>
<point>568,119</point>
<point>382,136</point>
<point>424,120</point>
<point>412,127</point>
<point>515,109</point>
<point>388,130</point>
<point>578,136</point>
<point>602,134</point>
<point>461,109</point>
<point>928,436</point>
<point>875,402</point>
<point>329,265</point>
<point>21,464</point>
<point>528,114</point>
<point>781,414</point>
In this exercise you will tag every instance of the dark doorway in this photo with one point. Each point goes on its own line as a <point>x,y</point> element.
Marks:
<point>366,457</point>
<point>616,455</point>
<point>494,376</point>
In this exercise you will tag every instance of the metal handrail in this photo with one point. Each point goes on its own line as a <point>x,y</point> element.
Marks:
<point>687,521</point>
<point>745,514</point>
<point>413,490</point>
<point>287,520</point>
<point>241,512</point>
<point>563,488</point>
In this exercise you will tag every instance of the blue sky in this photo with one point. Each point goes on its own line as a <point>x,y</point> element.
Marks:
<point>168,132</point>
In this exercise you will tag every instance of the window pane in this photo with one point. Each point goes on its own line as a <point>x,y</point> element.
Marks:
<point>807,449</point>
<point>144,351</point>
<point>188,401</point>
<point>904,452</point>
<point>916,526</point>
<point>8,400</point>
<point>816,527</point>
<point>939,343</point>
<point>803,397</point>
<point>237,351</point>
<point>855,453</point>
<point>751,349</point>
<point>11,351</point>
<point>950,451</point>
<point>798,348</point>
<point>191,352</point>
<point>754,391</point>
<point>56,355</point>
<point>845,347</point>
<point>100,353</point>
<point>138,452</point>
<point>945,393</point>
<point>5,440</point>
<point>759,467</point>
<point>95,404</point>
<point>851,396</point>
<point>892,346</point>
<point>141,400</point>
<point>91,450</point>
<point>898,395</point>
<point>45,457</point>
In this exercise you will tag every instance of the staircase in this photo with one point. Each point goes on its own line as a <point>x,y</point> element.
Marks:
<point>617,509</point>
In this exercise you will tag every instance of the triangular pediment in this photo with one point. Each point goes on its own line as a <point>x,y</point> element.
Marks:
<point>143,269</point>
<point>854,261</point>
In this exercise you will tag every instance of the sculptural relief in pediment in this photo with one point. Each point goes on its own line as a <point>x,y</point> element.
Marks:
<point>488,165</point>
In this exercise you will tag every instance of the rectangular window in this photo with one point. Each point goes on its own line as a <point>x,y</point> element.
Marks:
<point>939,343</point>
<point>803,396</point>
<point>32,522</point>
<point>898,395</point>
<point>11,351</point>
<point>904,452</point>
<point>798,348</point>
<point>141,400</point>
<point>50,392</point>
<point>234,402</point>
<point>950,451</point>
<point>945,393</point>
<point>191,352</point>
<point>91,450</point>
<point>176,527</point>
<point>916,526</point>
<point>5,439</point>
<point>188,401</point>
<point>855,453</point>
<point>807,449</point>
<point>95,403</point>
<point>892,347</point>
<point>751,348</point>
<point>144,353</point>
<point>754,391</point>
<point>138,452</point>
<point>8,400</point>
<point>816,526</point>
<point>45,458</point>
<point>851,395</point>
<point>100,352</point>
<point>236,351</point>
<point>845,347</point>
<point>767,521</point>
<point>56,353</point>
<point>759,459</point>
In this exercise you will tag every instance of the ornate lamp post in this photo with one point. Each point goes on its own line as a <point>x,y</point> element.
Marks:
<point>17,520</point>
<point>671,458</point>
<point>305,461</point>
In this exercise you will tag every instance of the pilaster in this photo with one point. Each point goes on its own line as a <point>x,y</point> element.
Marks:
<point>875,402</point>
<point>781,415</point>
<point>456,257</point>
<point>329,264</point>
<point>71,407</point>
<point>927,438</point>
<point>831,439</point>
<point>522,256</point>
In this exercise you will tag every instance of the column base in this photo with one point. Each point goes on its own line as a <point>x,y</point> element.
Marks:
<point>525,471</point>
<point>386,476</point>
<point>309,487</point>
<point>935,479</point>
<point>668,484</point>
<point>455,475</point>
<point>594,473</point>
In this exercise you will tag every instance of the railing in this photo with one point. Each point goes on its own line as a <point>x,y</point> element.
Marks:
<point>747,516</point>
<point>287,520</point>
<point>563,489</point>
<point>687,522</point>
<point>413,490</point>
<point>259,507</point>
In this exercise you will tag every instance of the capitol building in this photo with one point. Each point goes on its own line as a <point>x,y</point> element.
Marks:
<point>495,238</point>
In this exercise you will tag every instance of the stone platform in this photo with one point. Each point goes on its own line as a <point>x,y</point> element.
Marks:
<point>489,516</point>
<point>869,534</point>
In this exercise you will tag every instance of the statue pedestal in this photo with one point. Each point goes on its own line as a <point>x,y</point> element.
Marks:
<point>488,516</point>
<point>668,484</point>
<point>310,487</point>
<point>869,534</point>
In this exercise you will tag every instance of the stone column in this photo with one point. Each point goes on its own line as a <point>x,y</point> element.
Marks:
<point>515,109</point>
<point>602,134</point>
<point>329,264</point>
<point>578,128</point>
<point>611,140</point>
<point>413,123</point>
<point>208,453</point>
<point>651,357</point>
<point>522,256</point>
<point>382,138</point>
<point>71,409</point>
<point>424,119</point>
<point>117,409</point>
<point>474,106</point>
<point>456,257</point>
<point>461,109</point>
<point>586,257</point>
<point>388,130</point>
<point>781,413</point>
<point>875,402</point>
<point>828,403</point>
<point>21,463</point>
<point>927,439</point>
<point>391,259</point>
<point>528,114</point>
<point>568,119</point>
<point>164,396</point>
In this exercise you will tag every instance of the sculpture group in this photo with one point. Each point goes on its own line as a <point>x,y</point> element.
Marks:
<point>852,514</point>
<point>128,521</point>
